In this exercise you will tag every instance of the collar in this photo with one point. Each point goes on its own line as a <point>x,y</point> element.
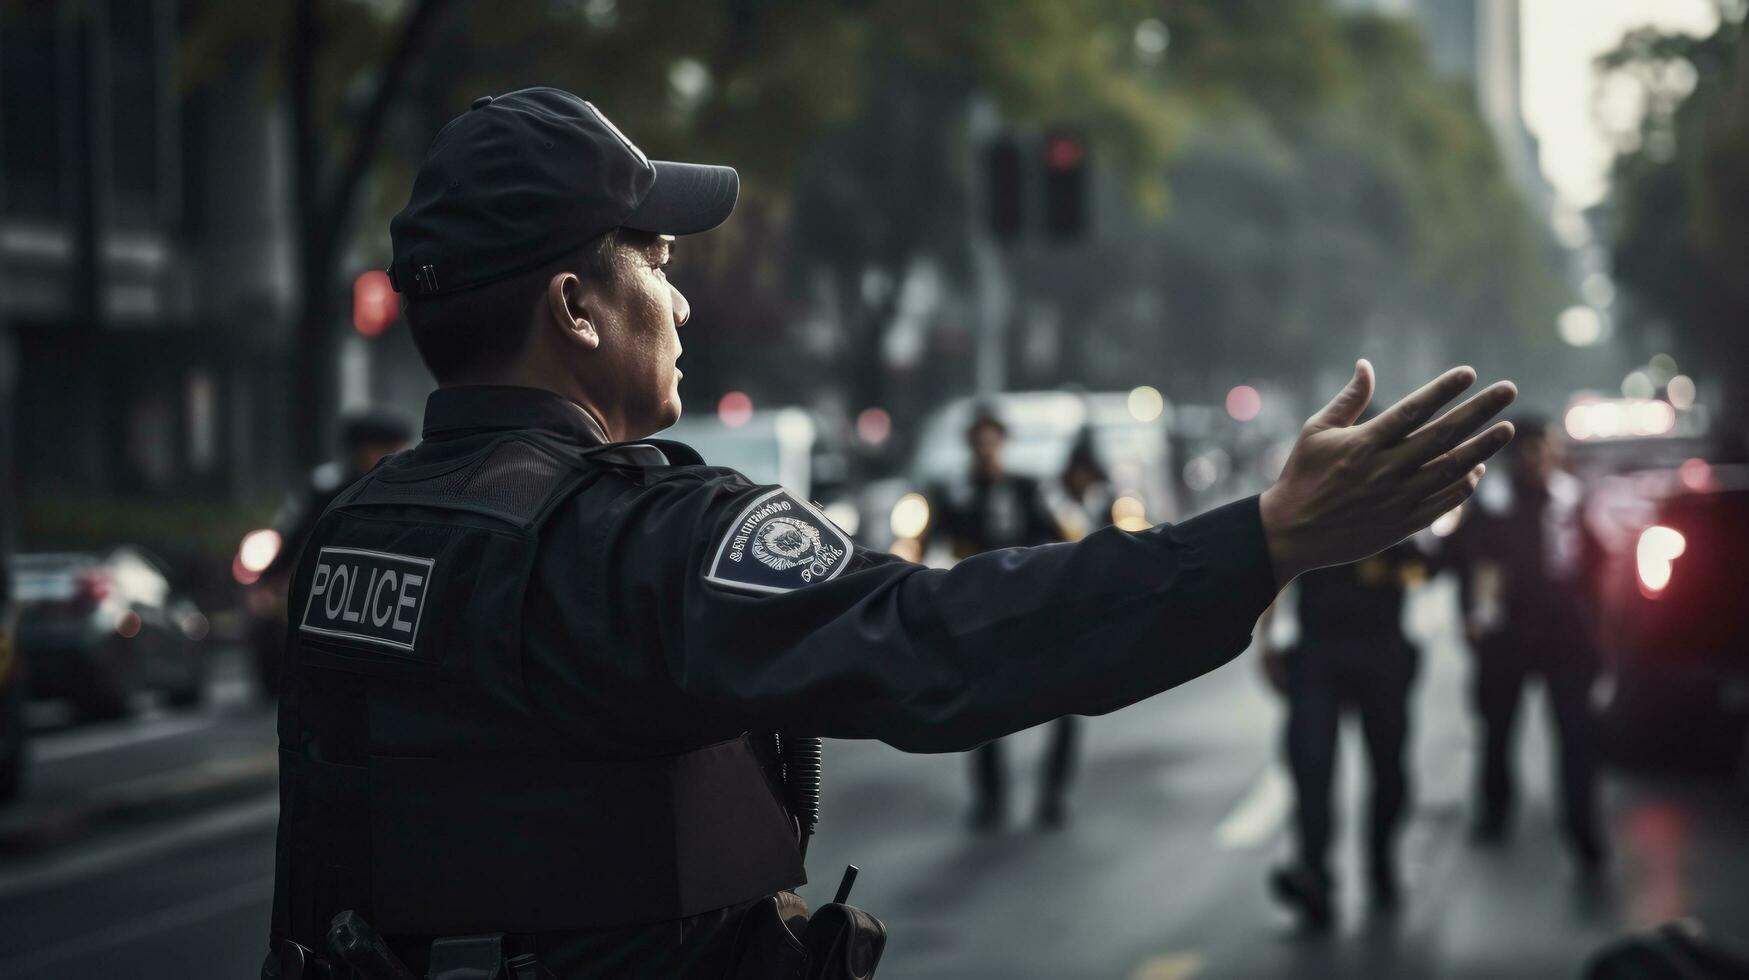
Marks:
<point>463,409</point>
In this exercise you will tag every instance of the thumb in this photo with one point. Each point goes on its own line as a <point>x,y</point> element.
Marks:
<point>1346,407</point>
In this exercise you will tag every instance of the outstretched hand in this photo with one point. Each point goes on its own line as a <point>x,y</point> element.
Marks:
<point>1349,491</point>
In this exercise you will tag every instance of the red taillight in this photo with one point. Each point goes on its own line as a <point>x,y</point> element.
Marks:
<point>1655,557</point>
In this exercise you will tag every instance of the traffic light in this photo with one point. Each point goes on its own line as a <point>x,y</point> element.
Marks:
<point>1065,185</point>
<point>374,303</point>
<point>1004,185</point>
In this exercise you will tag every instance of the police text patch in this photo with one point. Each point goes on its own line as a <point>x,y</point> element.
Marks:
<point>369,596</point>
<point>778,544</point>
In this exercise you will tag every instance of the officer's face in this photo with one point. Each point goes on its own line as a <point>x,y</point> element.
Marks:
<point>641,316</point>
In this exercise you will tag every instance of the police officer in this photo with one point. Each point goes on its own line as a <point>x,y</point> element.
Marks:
<point>1352,655</point>
<point>366,436</point>
<point>993,508</point>
<point>1518,555</point>
<point>536,661</point>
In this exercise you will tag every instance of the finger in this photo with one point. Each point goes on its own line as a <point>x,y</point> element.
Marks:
<point>1436,506</point>
<point>1349,402</point>
<point>1407,415</point>
<point>1446,431</point>
<point>1455,462</point>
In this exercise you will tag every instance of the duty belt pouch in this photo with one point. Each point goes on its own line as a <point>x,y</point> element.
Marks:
<point>778,940</point>
<point>844,943</point>
<point>767,944</point>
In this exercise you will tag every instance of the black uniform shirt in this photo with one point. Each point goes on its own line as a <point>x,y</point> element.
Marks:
<point>641,638</point>
<point>1359,601</point>
<point>983,515</point>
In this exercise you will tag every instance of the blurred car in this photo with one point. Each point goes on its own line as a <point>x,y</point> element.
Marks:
<point>97,628</point>
<point>1675,637</point>
<point>13,733</point>
<point>784,446</point>
<point>1042,428</point>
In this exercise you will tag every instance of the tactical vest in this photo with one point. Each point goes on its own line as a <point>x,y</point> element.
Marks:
<point>418,783</point>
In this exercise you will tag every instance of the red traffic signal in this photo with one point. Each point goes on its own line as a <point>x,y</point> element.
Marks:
<point>1063,152</point>
<point>1065,185</point>
<point>374,303</point>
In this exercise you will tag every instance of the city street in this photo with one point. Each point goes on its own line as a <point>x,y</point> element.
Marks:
<point>1178,814</point>
<point>547,365</point>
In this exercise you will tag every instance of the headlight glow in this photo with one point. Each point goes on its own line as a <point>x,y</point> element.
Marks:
<point>910,516</point>
<point>1655,556</point>
<point>258,550</point>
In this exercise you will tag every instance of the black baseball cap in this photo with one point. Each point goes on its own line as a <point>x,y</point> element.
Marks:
<point>521,179</point>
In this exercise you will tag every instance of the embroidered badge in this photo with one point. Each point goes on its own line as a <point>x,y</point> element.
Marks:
<point>778,544</point>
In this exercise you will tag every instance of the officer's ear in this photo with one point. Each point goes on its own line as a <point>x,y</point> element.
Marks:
<point>567,306</point>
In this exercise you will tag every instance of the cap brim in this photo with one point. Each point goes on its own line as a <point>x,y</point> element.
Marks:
<point>686,198</point>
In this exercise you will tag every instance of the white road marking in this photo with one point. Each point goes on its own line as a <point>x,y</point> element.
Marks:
<point>1260,813</point>
<point>53,748</point>
<point>144,927</point>
<point>259,812</point>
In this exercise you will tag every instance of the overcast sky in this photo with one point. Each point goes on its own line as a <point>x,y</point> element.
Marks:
<point>1560,39</point>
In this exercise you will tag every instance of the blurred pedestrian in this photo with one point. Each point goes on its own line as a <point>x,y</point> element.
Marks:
<point>1518,558</point>
<point>1352,655</point>
<point>1081,498</point>
<point>990,509</point>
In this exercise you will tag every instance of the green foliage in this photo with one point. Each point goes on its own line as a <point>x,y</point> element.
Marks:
<point>1374,190</point>
<point>1680,194</point>
<point>1376,219</point>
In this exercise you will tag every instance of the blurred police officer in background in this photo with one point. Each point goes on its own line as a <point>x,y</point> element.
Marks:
<point>1518,557</point>
<point>365,436</point>
<point>989,509</point>
<point>536,664</point>
<point>1352,655</point>
<point>1081,497</point>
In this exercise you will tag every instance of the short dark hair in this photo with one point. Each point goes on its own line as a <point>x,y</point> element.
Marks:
<point>1529,424</point>
<point>985,417</point>
<point>481,329</point>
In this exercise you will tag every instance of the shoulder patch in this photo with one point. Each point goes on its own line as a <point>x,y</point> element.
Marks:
<point>778,544</point>
<point>370,597</point>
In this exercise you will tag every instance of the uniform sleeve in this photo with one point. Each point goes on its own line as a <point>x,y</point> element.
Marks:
<point>929,660</point>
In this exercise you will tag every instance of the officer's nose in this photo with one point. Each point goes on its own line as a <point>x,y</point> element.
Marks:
<point>682,309</point>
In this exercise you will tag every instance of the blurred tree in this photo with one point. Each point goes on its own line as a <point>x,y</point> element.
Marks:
<point>849,122</point>
<point>1378,219</point>
<point>1680,195</point>
<point>342,66</point>
<point>750,81</point>
<point>884,193</point>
